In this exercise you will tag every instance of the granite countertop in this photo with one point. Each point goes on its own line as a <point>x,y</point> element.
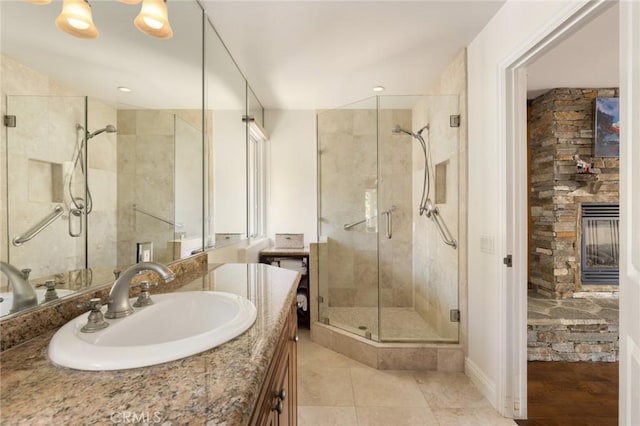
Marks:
<point>218,386</point>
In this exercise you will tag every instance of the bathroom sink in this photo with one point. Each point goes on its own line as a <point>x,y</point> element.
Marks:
<point>175,326</point>
<point>7,299</point>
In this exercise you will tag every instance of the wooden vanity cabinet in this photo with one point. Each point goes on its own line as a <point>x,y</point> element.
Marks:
<point>277,403</point>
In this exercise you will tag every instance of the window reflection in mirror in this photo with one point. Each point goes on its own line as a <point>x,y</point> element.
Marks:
<point>226,94</point>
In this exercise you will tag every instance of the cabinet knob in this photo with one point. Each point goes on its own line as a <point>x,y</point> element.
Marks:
<point>279,407</point>
<point>295,338</point>
<point>282,394</point>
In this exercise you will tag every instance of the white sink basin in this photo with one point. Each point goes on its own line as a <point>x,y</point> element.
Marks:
<point>175,326</point>
<point>5,305</point>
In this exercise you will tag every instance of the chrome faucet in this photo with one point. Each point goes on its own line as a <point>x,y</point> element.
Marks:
<point>118,305</point>
<point>24,296</point>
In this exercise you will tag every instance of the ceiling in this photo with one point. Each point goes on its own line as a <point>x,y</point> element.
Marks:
<point>295,54</point>
<point>588,58</point>
<point>324,54</point>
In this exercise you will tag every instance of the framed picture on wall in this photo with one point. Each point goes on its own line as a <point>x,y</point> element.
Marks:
<point>606,142</point>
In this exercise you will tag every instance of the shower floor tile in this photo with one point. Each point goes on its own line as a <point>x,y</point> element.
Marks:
<point>396,324</point>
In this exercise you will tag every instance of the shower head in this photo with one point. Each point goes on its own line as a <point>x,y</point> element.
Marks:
<point>397,130</point>
<point>109,128</point>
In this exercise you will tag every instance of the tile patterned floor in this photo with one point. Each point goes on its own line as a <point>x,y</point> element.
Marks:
<point>334,390</point>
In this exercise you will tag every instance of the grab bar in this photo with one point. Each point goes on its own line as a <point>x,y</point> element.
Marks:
<point>56,213</point>
<point>389,221</point>
<point>351,225</point>
<point>434,214</point>
<point>177,225</point>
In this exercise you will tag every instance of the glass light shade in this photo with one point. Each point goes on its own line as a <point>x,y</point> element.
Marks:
<point>76,19</point>
<point>153,20</point>
<point>38,1</point>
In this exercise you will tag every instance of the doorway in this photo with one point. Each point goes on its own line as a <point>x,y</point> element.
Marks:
<point>517,190</point>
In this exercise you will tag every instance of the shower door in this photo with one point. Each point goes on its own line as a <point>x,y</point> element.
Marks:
<point>348,222</point>
<point>384,271</point>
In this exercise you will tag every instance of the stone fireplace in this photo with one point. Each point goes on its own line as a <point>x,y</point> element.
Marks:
<point>561,126</point>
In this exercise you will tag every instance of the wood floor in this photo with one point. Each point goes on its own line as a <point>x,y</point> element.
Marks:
<point>572,393</point>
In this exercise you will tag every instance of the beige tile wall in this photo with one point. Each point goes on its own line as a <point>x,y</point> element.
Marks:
<point>43,141</point>
<point>439,271</point>
<point>145,179</point>
<point>435,263</point>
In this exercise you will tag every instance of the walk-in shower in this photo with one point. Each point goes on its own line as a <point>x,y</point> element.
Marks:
<point>388,217</point>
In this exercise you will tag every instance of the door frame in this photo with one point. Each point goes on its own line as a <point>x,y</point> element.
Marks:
<point>512,386</point>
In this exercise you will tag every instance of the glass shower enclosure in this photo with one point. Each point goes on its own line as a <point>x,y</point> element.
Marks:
<point>388,267</point>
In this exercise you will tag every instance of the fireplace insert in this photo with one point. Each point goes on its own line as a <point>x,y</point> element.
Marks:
<point>600,251</point>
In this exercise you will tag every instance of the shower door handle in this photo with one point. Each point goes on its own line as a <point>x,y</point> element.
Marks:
<point>389,218</point>
<point>389,225</point>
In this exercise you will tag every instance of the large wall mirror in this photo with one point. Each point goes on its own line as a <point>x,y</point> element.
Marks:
<point>117,176</point>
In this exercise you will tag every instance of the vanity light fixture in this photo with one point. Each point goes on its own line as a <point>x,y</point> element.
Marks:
<point>76,19</point>
<point>153,19</point>
<point>124,89</point>
<point>378,89</point>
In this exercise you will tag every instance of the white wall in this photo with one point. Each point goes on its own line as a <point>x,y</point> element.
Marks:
<point>516,24</point>
<point>629,409</point>
<point>292,177</point>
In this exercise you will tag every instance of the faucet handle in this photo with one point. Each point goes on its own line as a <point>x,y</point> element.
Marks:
<point>93,304</point>
<point>96,319</point>
<point>51,293</point>
<point>49,284</point>
<point>144,285</point>
<point>25,273</point>
<point>145,297</point>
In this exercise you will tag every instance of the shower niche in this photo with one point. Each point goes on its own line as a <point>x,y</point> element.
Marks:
<point>385,271</point>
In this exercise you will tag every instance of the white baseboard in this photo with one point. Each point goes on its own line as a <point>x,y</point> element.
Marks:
<point>486,387</point>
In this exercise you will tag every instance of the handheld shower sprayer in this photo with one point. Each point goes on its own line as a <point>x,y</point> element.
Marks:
<point>109,128</point>
<point>427,207</point>
<point>397,130</point>
<point>79,203</point>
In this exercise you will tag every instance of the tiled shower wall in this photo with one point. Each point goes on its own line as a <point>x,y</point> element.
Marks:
<point>145,180</point>
<point>435,263</point>
<point>44,139</point>
<point>151,145</point>
<point>349,158</point>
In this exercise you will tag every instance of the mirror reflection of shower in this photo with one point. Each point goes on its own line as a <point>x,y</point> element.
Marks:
<point>426,206</point>
<point>77,203</point>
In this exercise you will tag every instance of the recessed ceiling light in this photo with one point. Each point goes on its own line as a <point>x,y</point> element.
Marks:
<point>124,89</point>
<point>378,89</point>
